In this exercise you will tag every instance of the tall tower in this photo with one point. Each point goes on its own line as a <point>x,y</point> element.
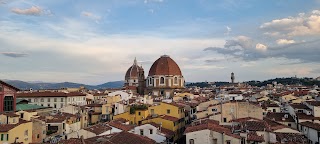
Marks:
<point>141,82</point>
<point>232,77</point>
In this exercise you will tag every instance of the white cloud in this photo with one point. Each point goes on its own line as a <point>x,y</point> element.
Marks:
<point>91,15</point>
<point>261,47</point>
<point>151,11</point>
<point>228,30</point>
<point>301,25</point>
<point>285,41</point>
<point>34,10</point>
<point>157,1</point>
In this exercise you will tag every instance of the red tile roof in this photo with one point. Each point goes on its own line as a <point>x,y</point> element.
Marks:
<point>119,125</point>
<point>8,127</point>
<point>253,136</point>
<point>98,129</point>
<point>280,117</point>
<point>170,118</point>
<point>312,125</point>
<point>213,127</point>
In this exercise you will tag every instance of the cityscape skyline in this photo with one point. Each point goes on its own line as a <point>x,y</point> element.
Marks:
<point>93,43</point>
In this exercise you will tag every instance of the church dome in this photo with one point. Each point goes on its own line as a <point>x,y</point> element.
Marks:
<point>133,71</point>
<point>164,66</point>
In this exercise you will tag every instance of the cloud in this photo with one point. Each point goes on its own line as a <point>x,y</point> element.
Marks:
<point>91,15</point>
<point>14,54</point>
<point>285,41</point>
<point>151,11</point>
<point>156,1</point>
<point>228,30</point>
<point>301,25</point>
<point>261,47</point>
<point>34,10</point>
<point>246,49</point>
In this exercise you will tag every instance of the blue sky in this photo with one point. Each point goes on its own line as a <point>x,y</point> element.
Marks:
<point>95,42</point>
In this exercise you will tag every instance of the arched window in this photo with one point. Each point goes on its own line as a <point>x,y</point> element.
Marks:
<point>175,80</point>
<point>161,80</point>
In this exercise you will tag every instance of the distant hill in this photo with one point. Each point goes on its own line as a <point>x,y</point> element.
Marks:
<point>43,85</point>
<point>286,81</point>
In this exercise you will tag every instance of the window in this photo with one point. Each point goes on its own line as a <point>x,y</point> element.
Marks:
<point>48,99</point>
<point>38,136</point>
<point>48,105</point>
<point>44,132</point>
<point>215,141</point>
<point>274,110</point>
<point>139,113</point>
<point>14,120</point>
<point>63,126</point>
<point>151,131</point>
<point>228,142</point>
<point>243,140</point>
<point>55,99</point>
<point>152,111</point>
<point>214,109</point>
<point>41,104</point>
<point>7,137</point>
<point>168,111</point>
<point>35,100</point>
<point>21,115</point>
<point>26,133</point>
<point>224,119</point>
<point>29,100</point>
<point>161,80</point>
<point>289,124</point>
<point>61,99</point>
<point>41,100</point>
<point>175,80</point>
<point>61,105</point>
<point>8,103</point>
<point>2,137</point>
<point>191,141</point>
<point>55,105</point>
<point>141,132</point>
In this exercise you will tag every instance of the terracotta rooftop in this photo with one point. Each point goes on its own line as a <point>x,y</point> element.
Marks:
<point>8,127</point>
<point>280,117</point>
<point>211,126</point>
<point>170,118</point>
<point>291,137</point>
<point>312,125</point>
<point>98,129</point>
<point>253,136</point>
<point>120,138</point>
<point>313,103</point>
<point>300,106</point>
<point>119,125</point>
<point>9,114</point>
<point>305,116</point>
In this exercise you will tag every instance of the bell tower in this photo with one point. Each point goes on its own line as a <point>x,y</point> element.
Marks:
<point>232,77</point>
<point>141,82</point>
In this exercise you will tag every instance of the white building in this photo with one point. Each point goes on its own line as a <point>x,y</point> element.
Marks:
<point>124,95</point>
<point>54,99</point>
<point>150,131</point>
<point>311,131</point>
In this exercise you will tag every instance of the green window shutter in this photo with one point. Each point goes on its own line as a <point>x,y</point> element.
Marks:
<point>1,137</point>
<point>7,137</point>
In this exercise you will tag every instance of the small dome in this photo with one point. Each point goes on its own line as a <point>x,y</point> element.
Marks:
<point>133,71</point>
<point>164,66</point>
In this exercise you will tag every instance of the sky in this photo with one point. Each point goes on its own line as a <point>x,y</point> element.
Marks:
<point>93,42</point>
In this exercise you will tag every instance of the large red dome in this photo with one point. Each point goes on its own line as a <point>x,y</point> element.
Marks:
<point>164,66</point>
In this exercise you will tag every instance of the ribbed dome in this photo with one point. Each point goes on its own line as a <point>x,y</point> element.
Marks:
<point>133,71</point>
<point>164,66</point>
